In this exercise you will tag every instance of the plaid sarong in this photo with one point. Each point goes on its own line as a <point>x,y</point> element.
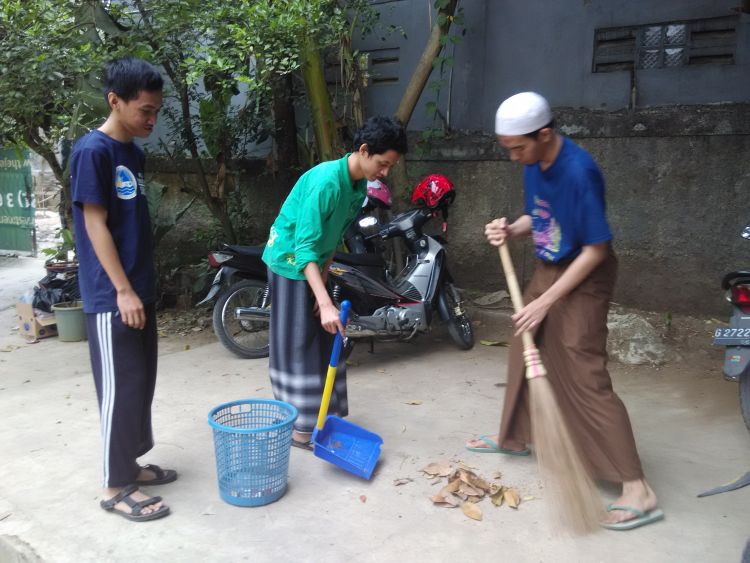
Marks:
<point>300,350</point>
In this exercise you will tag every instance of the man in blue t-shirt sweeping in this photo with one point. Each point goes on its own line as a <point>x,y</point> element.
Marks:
<point>116,275</point>
<point>567,301</point>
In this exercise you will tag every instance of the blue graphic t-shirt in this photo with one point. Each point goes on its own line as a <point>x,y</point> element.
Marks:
<point>109,173</point>
<point>566,204</point>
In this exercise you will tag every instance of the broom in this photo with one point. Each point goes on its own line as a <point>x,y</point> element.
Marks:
<point>575,499</point>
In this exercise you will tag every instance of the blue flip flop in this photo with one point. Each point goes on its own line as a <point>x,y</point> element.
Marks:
<point>641,518</point>
<point>495,449</point>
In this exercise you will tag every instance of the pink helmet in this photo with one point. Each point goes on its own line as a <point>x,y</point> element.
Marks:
<point>434,191</point>
<point>378,194</point>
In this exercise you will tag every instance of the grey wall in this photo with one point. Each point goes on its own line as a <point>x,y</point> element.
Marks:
<point>678,176</point>
<point>678,195</point>
<point>510,46</point>
<point>674,151</point>
<point>414,19</point>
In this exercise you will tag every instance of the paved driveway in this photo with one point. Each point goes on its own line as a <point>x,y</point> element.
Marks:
<point>686,420</point>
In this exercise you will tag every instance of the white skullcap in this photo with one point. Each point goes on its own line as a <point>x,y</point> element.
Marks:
<point>522,114</point>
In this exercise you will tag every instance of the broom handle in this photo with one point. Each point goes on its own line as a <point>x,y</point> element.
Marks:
<point>534,366</point>
<point>333,364</point>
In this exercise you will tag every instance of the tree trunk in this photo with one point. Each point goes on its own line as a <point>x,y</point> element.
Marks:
<point>400,178</point>
<point>424,66</point>
<point>416,86</point>
<point>65,208</point>
<point>321,111</point>
<point>285,127</point>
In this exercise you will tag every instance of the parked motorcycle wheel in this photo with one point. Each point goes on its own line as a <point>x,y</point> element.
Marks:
<point>459,325</point>
<point>745,397</point>
<point>246,339</point>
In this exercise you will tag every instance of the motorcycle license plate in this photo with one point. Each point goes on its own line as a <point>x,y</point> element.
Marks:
<point>732,336</point>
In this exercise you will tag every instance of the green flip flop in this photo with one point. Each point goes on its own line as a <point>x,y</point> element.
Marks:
<point>495,449</point>
<point>641,518</point>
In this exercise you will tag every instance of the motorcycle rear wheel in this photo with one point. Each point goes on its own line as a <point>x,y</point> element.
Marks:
<point>459,324</point>
<point>246,339</point>
<point>745,397</point>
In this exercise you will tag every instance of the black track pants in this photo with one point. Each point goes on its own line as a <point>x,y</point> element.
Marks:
<point>123,360</point>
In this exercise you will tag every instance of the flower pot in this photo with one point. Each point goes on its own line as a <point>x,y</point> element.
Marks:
<point>71,321</point>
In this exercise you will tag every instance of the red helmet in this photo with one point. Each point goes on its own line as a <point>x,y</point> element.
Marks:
<point>378,194</point>
<point>434,191</point>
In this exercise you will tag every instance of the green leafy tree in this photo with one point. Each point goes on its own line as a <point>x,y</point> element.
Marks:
<point>49,51</point>
<point>229,67</point>
<point>226,62</point>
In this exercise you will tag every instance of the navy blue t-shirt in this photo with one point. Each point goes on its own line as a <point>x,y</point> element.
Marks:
<point>566,204</point>
<point>109,173</point>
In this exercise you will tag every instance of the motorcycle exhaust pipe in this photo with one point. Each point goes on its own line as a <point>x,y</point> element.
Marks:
<point>252,314</point>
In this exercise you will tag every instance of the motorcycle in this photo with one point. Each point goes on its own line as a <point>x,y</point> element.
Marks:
<point>384,307</point>
<point>736,338</point>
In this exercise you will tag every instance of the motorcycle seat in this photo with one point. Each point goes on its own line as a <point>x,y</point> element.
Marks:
<point>734,278</point>
<point>373,260</point>
<point>256,251</point>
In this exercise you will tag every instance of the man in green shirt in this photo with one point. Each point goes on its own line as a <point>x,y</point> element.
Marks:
<point>300,247</point>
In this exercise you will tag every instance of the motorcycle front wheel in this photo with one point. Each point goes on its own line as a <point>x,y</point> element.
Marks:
<point>246,339</point>
<point>459,324</point>
<point>745,397</point>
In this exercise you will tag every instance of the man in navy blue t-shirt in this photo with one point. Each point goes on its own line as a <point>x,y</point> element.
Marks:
<point>567,301</point>
<point>116,274</point>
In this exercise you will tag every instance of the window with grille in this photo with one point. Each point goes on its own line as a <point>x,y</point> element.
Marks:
<point>663,45</point>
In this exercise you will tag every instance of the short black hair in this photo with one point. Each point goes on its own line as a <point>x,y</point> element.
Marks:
<point>129,76</point>
<point>381,134</point>
<point>535,134</point>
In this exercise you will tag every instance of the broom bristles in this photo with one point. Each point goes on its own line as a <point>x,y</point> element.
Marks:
<point>574,499</point>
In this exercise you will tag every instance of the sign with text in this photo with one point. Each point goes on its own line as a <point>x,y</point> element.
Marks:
<point>16,201</point>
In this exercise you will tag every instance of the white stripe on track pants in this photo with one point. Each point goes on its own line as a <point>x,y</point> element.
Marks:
<point>123,360</point>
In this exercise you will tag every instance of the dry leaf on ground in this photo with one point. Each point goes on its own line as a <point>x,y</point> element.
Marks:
<point>402,481</point>
<point>468,490</point>
<point>447,500</point>
<point>498,496</point>
<point>465,467</point>
<point>512,498</point>
<point>472,510</point>
<point>413,403</point>
<point>451,487</point>
<point>441,469</point>
<point>493,343</point>
<point>471,478</point>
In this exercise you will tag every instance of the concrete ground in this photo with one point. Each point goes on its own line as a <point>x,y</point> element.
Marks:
<point>686,419</point>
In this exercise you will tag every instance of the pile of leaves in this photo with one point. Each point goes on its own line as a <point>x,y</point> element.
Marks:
<point>172,322</point>
<point>466,489</point>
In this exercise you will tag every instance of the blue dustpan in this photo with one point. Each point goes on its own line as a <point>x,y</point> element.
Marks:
<point>336,440</point>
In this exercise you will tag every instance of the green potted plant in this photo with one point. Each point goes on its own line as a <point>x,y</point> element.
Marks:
<point>62,257</point>
<point>62,262</point>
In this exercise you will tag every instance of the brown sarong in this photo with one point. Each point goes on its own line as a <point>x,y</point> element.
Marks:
<point>573,344</point>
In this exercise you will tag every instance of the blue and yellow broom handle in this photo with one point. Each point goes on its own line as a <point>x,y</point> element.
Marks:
<point>331,375</point>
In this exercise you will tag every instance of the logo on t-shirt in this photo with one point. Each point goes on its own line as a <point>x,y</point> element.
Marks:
<point>272,236</point>
<point>545,229</point>
<point>125,183</point>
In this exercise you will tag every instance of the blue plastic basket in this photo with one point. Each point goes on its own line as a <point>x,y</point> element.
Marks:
<point>252,439</point>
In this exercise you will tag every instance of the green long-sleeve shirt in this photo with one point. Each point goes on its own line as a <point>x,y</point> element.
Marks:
<point>320,207</point>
